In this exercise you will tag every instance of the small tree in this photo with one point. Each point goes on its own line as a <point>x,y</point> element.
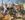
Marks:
<point>22,12</point>
<point>10,12</point>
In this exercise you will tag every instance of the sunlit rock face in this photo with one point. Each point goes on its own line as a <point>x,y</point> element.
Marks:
<point>24,6</point>
<point>10,4</point>
<point>17,7</point>
<point>4,8</point>
<point>4,12</point>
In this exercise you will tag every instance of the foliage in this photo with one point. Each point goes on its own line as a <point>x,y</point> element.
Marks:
<point>22,11</point>
<point>10,12</point>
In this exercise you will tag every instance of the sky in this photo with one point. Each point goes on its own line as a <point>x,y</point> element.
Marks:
<point>14,1</point>
<point>0,1</point>
<point>7,1</point>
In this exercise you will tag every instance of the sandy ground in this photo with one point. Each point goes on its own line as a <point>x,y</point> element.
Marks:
<point>7,17</point>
